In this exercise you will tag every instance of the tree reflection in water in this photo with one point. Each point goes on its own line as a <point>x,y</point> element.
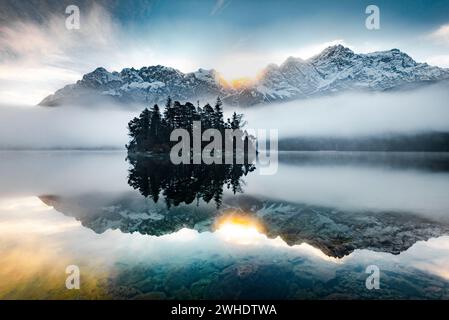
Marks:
<point>184,183</point>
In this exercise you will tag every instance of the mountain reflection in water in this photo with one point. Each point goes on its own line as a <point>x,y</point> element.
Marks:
<point>271,237</point>
<point>334,230</point>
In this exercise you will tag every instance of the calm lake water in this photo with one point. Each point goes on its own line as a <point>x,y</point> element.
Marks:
<point>144,229</point>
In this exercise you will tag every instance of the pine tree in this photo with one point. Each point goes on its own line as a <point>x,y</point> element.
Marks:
<point>143,138</point>
<point>156,128</point>
<point>178,116</point>
<point>218,118</point>
<point>189,115</point>
<point>169,113</point>
<point>236,122</point>
<point>228,124</point>
<point>133,132</point>
<point>208,116</point>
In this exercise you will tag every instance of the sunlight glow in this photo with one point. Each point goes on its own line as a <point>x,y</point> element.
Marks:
<point>236,83</point>
<point>244,229</point>
<point>240,229</point>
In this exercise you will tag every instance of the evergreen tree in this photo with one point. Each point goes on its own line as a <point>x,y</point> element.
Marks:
<point>133,132</point>
<point>151,130</point>
<point>178,117</point>
<point>207,119</point>
<point>218,117</point>
<point>156,128</point>
<point>169,115</point>
<point>228,124</point>
<point>236,122</point>
<point>143,135</point>
<point>189,115</point>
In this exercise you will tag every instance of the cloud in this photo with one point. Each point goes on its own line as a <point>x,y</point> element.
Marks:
<point>440,61</point>
<point>219,6</point>
<point>53,44</point>
<point>69,127</point>
<point>347,115</point>
<point>357,114</point>
<point>26,84</point>
<point>441,35</point>
<point>45,56</point>
<point>39,57</point>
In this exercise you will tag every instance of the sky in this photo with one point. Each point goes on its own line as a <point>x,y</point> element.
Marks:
<point>39,55</point>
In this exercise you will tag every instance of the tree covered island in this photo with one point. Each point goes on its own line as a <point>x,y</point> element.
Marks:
<point>153,131</point>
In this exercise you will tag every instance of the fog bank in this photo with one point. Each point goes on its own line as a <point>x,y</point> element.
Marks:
<point>346,115</point>
<point>63,127</point>
<point>357,114</point>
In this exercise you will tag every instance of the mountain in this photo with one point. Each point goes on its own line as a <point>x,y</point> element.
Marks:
<point>147,85</point>
<point>335,232</point>
<point>335,69</point>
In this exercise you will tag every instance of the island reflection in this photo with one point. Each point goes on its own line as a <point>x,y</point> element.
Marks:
<point>184,183</point>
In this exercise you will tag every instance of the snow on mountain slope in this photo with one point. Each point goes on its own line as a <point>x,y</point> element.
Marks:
<point>147,85</point>
<point>335,69</point>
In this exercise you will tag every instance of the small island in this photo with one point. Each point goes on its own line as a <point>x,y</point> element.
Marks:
<point>152,131</point>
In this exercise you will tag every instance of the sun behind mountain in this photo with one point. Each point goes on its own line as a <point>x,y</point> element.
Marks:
<point>236,83</point>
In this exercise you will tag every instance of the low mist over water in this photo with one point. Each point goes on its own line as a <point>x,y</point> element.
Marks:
<point>353,115</point>
<point>357,114</point>
<point>34,127</point>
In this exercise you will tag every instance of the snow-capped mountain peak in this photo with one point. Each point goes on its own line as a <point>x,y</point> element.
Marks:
<point>335,69</point>
<point>334,52</point>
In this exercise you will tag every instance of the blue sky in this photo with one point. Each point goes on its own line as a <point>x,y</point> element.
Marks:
<point>236,37</point>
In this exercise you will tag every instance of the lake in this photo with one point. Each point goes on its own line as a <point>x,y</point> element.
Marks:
<point>323,227</point>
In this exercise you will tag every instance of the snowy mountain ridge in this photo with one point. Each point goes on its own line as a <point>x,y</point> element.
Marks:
<point>335,69</point>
